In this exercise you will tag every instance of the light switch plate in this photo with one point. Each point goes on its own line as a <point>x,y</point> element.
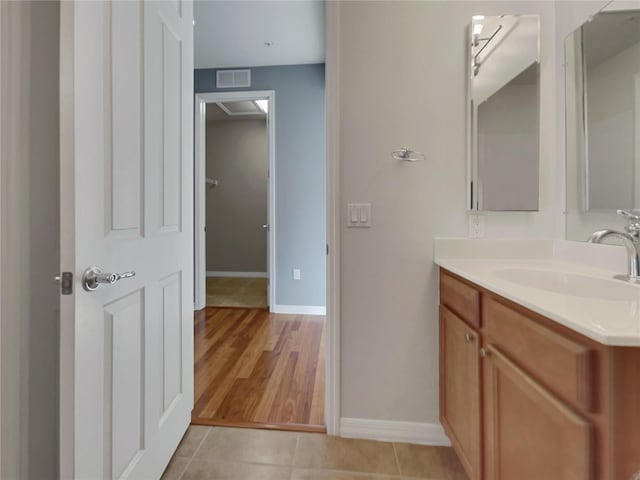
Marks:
<point>296,274</point>
<point>359,215</point>
<point>476,226</point>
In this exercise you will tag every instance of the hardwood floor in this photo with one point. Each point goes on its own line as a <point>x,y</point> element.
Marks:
<point>256,369</point>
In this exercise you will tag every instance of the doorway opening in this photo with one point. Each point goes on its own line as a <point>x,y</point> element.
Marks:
<point>260,362</point>
<point>235,211</point>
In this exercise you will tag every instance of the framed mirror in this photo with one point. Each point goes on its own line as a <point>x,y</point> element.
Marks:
<point>504,113</point>
<point>602,101</point>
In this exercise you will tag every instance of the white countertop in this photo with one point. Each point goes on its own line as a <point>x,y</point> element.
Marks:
<point>609,314</point>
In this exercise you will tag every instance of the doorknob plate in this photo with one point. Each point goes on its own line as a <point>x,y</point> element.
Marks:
<point>93,277</point>
<point>90,278</point>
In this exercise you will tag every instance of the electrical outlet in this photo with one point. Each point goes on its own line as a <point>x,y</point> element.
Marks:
<point>296,274</point>
<point>476,226</point>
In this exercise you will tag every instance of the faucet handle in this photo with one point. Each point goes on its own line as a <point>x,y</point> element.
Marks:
<point>633,217</point>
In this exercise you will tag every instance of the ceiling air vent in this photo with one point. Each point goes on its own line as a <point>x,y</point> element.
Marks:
<point>233,78</point>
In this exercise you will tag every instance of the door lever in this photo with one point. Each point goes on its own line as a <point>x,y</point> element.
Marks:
<point>94,276</point>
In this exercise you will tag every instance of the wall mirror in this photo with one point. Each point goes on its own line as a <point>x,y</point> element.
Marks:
<point>503,113</point>
<point>602,80</point>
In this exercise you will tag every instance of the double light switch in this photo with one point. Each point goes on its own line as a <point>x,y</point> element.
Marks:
<point>359,215</point>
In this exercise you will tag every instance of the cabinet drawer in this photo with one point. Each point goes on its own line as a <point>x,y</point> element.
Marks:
<point>460,298</point>
<point>563,365</point>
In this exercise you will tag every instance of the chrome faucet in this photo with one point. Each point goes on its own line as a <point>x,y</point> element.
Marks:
<point>631,240</point>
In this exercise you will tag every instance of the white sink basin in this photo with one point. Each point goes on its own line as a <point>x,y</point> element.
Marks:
<point>571,284</point>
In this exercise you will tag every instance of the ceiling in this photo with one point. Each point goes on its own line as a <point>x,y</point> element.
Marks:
<point>233,33</point>
<point>215,113</point>
<point>507,54</point>
<point>608,34</point>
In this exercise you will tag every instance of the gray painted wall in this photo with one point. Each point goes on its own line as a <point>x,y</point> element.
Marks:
<point>29,147</point>
<point>299,176</point>
<point>237,156</point>
<point>44,226</point>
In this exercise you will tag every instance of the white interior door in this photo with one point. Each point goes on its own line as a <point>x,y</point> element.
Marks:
<point>126,205</point>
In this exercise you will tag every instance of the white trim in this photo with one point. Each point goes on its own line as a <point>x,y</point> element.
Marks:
<point>299,309</point>
<point>391,431</point>
<point>238,274</point>
<point>199,210</point>
<point>201,99</point>
<point>332,115</point>
<point>636,142</point>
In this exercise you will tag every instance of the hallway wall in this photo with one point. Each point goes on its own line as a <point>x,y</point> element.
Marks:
<point>299,176</point>
<point>236,209</point>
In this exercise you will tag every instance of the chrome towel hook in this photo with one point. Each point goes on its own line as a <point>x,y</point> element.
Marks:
<point>407,155</point>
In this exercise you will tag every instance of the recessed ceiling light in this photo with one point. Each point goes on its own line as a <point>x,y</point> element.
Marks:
<point>263,105</point>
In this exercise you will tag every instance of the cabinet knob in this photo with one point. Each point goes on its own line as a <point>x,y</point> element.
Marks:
<point>484,353</point>
<point>468,337</point>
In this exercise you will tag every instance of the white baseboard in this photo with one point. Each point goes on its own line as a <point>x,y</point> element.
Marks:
<point>299,309</point>
<point>390,431</point>
<point>238,274</point>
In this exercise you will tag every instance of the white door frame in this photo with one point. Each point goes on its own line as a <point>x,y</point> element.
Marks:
<point>201,100</point>
<point>332,404</point>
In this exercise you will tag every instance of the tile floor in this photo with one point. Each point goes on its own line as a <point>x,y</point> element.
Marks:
<point>237,292</point>
<point>216,453</point>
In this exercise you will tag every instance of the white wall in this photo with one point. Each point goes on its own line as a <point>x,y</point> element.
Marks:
<point>402,82</point>
<point>508,149</point>
<point>611,111</point>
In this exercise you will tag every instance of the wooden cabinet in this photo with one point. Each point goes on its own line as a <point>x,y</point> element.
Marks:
<point>529,434</point>
<point>460,397</point>
<point>523,397</point>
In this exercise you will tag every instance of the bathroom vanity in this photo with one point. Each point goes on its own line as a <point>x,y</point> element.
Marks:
<point>540,343</point>
<point>525,396</point>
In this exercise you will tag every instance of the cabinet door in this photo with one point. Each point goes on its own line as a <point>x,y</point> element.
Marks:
<point>460,389</point>
<point>530,434</point>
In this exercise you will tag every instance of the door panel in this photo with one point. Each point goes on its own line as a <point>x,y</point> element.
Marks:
<point>123,122</point>
<point>530,434</point>
<point>460,389</point>
<point>124,375</point>
<point>127,378</point>
<point>172,339</point>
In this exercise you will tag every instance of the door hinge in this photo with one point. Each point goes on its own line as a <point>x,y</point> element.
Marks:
<point>65,280</point>
<point>327,249</point>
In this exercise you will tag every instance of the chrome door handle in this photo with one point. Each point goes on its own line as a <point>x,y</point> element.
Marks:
<point>94,276</point>
<point>265,226</point>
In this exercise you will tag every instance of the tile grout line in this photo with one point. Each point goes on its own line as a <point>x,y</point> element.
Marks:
<point>295,452</point>
<point>395,453</point>
<point>194,453</point>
